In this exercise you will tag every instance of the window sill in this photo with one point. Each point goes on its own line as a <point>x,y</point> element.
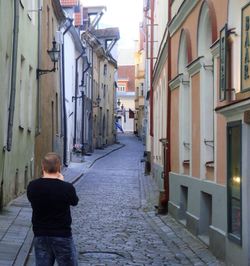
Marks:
<point>209,164</point>
<point>186,162</point>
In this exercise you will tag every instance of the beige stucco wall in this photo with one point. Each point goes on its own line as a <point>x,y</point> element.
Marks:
<point>50,136</point>
<point>96,83</point>
<point>103,115</point>
<point>174,125</point>
<point>195,96</point>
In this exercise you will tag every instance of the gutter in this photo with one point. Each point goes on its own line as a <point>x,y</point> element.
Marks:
<point>13,76</point>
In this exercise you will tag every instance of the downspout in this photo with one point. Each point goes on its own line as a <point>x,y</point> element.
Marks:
<point>13,76</point>
<point>38,110</point>
<point>83,78</point>
<point>64,102</point>
<point>82,137</point>
<point>167,164</point>
<point>76,90</point>
<point>92,94</point>
<point>151,67</point>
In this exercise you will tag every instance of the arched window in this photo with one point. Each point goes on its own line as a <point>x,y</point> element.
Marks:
<point>234,26</point>
<point>184,104</point>
<point>206,88</point>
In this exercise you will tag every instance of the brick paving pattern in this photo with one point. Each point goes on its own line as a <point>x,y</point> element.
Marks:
<point>114,224</point>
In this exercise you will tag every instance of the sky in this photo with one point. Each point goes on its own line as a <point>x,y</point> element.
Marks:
<point>125,14</point>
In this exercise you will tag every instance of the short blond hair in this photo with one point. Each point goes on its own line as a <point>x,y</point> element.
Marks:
<point>51,163</point>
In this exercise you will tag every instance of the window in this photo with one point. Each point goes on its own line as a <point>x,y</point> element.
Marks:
<point>22,94</point>
<point>57,118</point>
<point>121,87</point>
<point>48,27</point>
<point>30,99</point>
<point>223,63</point>
<point>234,182</point>
<point>52,29</point>
<point>105,70</point>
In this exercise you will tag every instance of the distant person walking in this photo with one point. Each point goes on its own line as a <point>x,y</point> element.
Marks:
<point>50,198</point>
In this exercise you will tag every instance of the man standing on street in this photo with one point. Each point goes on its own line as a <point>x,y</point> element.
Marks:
<point>50,198</point>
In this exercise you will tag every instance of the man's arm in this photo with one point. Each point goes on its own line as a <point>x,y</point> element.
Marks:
<point>28,192</point>
<point>73,197</point>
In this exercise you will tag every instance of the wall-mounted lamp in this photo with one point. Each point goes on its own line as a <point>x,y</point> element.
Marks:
<point>119,102</point>
<point>164,141</point>
<point>54,55</point>
<point>98,100</point>
<point>77,97</point>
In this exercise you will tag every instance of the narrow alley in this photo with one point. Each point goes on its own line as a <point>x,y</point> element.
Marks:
<point>114,224</point>
<point>145,107</point>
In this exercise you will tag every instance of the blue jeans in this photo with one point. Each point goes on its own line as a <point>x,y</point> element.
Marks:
<point>49,249</point>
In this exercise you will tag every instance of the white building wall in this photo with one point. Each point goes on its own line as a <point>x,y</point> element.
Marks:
<point>129,103</point>
<point>160,21</point>
<point>70,56</point>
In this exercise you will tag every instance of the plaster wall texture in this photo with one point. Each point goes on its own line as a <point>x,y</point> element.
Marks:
<point>70,55</point>
<point>17,165</point>
<point>50,137</point>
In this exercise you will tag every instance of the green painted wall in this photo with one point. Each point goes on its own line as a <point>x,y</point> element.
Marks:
<point>16,166</point>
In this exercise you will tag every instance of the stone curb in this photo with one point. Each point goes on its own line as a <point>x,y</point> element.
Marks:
<point>102,156</point>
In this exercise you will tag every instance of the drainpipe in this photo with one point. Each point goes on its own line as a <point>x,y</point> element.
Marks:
<point>13,75</point>
<point>76,89</point>
<point>91,102</point>
<point>38,108</point>
<point>82,137</point>
<point>151,66</point>
<point>167,150</point>
<point>64,102</point>
<point>12,93</point>
<point>83,78</point>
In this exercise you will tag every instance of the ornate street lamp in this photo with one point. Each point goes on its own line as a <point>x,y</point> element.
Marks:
<point>54,55</point>
<point>98,100</point>
<point>118,102</point>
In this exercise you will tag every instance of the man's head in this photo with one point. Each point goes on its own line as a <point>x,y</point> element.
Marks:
<point>51,163</point>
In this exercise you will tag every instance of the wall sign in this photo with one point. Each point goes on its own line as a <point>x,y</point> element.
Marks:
<point>245,48</point>
<point>223,62</point>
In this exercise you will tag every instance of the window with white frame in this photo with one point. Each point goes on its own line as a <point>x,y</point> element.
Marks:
<point>30,99</point>
<point>207,91</point>
<point>184,111</point>
<point>121,87</point>
<point>22,93</point>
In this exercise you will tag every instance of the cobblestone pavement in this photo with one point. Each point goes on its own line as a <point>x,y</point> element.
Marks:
<point>113,223</point>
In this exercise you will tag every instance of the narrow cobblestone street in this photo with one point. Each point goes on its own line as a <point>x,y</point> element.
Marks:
<point>114,225</point>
